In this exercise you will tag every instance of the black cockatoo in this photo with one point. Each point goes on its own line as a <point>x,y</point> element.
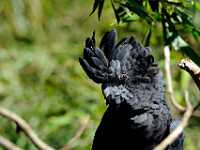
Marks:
<point>137,116</point>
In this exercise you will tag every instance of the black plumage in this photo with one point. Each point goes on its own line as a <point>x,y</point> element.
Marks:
<point>137,116</point>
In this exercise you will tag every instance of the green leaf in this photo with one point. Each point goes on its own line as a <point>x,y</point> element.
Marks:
<point>147,37</point>
<point>115,11</point>
<point>184,23</point>
<point>98,4</point>
<point>133,6</point>
<point>101,3</point>
<point>129,17</point>
<point>95,5</point>
<point>169,30</point>
<point>154,5</point>
<point>181,45</point>
<point>197,6</point>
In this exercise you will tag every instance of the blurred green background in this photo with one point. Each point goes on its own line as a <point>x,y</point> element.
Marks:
<point>41,79</point>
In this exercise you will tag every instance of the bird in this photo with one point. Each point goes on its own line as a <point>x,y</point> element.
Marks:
<point>137,116</point>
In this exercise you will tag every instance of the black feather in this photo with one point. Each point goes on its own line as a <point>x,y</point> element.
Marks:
<point>123,50</point>
<point>137,116</point>
<point>88,53</point>
<point>91,72</point>
<point>99,53</point>
<point>107,44</point>
<point>89,43</point>
<point>93,39</point>
<point>98,64</point>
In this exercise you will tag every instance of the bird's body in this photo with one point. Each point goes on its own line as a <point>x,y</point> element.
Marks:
<point>137,116</point>
<point>141,122</point>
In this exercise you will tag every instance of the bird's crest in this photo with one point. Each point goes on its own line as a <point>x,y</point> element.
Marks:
<point>117,62</point>
<point>117,65</point>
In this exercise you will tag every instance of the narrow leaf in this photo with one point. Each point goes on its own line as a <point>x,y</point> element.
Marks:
<point>115,11</point>
<point>101,3</point>
<point>147,37</point>
<point>139,10</point>
<point>154,4</point>
<point>95,5</point>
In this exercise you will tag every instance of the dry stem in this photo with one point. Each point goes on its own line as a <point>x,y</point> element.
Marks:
<point>83,125</point>
<point>8,145</point>
<point>187,65</point>
<point>174,135</point>
<point>25,127</point>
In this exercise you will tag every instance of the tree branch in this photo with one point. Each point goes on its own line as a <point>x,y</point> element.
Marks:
<point>174,135</point>
<point>25,127</point>
<point>83,125</point>
<point>192,69</point>
<point>8,145</point>
<point>186,65</point>
<point>169,79</point>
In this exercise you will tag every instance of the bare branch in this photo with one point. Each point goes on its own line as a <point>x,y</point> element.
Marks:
<point>197,106</point>
<point>25,127</point>
<point>183,65</point>
<point>169,79</point>
<point>72,143</point>
<point>192,69</point>
<point>174,135</point>
<point>8,145</point>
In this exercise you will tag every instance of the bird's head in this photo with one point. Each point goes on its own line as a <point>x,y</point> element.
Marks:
<point>117,65</point>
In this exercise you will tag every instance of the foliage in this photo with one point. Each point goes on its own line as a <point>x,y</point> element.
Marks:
<point>175,17</point>
<point>180,29</point>
<point>40,77</point>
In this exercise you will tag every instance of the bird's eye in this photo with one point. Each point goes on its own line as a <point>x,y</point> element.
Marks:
<point>123,76</point>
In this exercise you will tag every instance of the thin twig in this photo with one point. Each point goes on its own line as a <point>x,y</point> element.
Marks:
<point>193,69</point>
<point>174,135</point>
<point>197,106</point>
<point>25,127</point>
<point>7,144</point>
<point>72,143</point>
<point>185,66</point>
<point>169,79</point>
